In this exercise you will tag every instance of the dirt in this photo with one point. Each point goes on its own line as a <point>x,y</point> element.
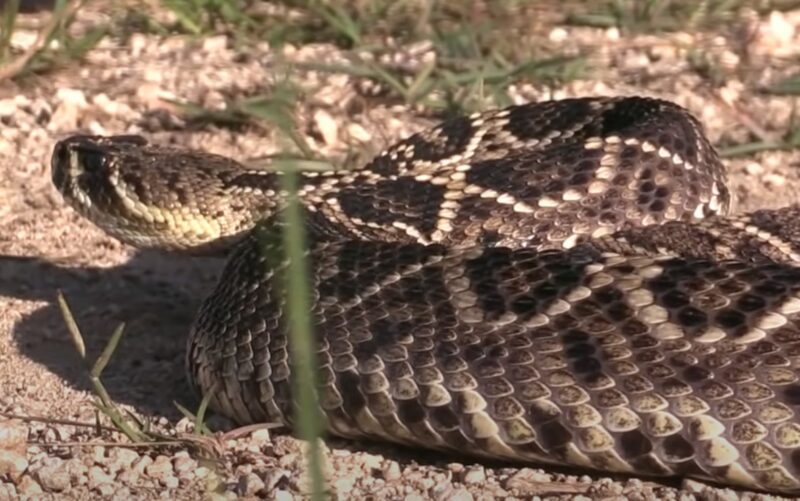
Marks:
<point>124,86</point>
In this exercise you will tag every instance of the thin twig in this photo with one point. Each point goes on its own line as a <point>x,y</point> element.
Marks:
<point>66,422</point>
<point>244,430</point>
<point>132,445</point>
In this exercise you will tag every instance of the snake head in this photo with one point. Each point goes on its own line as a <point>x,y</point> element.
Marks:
<point>82,164</point>
<point>161,197</point>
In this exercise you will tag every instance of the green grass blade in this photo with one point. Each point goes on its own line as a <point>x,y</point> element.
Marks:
<point>338,19</point>
<point>9,20</point>
<point>302,344</point>
<point>789,85</point>
<point>105,356</point>
<point>199,418</point>
<point>72,326</point>
<point>750,148</point>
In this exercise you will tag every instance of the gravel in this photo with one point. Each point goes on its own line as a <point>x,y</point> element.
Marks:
<point>126,86</point>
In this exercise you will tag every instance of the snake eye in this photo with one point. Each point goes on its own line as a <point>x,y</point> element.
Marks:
<point>92,160</point>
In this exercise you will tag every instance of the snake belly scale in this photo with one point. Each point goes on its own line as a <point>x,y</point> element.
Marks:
<point>558,282</point>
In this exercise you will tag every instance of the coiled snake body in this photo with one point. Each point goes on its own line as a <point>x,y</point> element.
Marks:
<point>555,282</point>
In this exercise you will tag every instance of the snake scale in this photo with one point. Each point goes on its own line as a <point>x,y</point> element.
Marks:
<point>557,282</point>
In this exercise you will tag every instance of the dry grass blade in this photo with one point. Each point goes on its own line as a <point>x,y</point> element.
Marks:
<point>130,445</point>
<point>198,418</point>
<point>63,422</point>
<point>60,15</point>
<point>105,404</point>
<point>9,18</point>
<point>72,326</point>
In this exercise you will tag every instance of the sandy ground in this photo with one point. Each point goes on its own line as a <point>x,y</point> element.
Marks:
<point>45,247</point>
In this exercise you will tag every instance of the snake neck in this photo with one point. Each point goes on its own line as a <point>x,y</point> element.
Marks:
<point>193,202</point>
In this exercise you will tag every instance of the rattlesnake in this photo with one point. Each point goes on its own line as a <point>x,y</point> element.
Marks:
<point>557,282</point>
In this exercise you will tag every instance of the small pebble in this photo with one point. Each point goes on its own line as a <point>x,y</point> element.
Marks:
<point>327,127</point>
<point>261,437</point>
<point>7,107</point>
<point>391,471</point>
<point>121,458</point>
<point>183,464</point>
<point>282,495</point>
<point>474,475</point>
<point>459,495</point>
<point>54,475</point>
<point>12,464</point>
<point>775,180</point>
<point>28,487</point>
<point>249,484</point>
<point>98,477</point>
<point>160,469</point>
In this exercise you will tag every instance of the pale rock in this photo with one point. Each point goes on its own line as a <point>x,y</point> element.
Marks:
<point>28,487</point>
<point>53,475</point>
<point>249,484</point>
<point>459,495</point>
<point>558,34</point>
<point>359,133</point>
<point>171,482</point>
<point>282,495</point>
<point>12,464</point>
<point>7,148</point>
<point>111,107</point>
<point>7,107</point>
<point>201,472</point>
<point>13,435</point>
<point>215,44</point>
<point>327,127</point>
<point>160,469</point>
<point>138,45</point>
<point>774,180</point>
<point>183,464</point>
<point>8,491</point>
<point>753,168</point>
<point>391,471</point>
<point>261,437</point>
<point>153,97</point>
<point>121,458</point>
<point>98,476</point>
<point>13,448</point>
<point>70,106</point>
<point>474,475</point>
